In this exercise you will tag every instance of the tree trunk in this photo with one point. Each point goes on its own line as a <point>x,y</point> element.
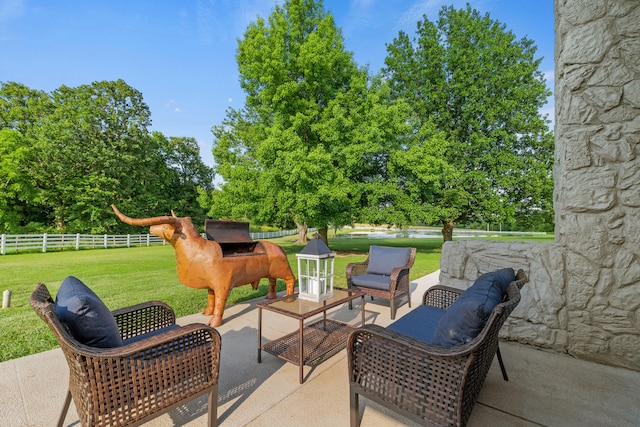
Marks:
<point>323,232</point>
<point>302,233</point>
<point>447,230</point>
<point>59,223</point>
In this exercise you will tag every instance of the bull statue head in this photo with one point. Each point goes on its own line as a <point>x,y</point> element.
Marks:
<point>166,227</point>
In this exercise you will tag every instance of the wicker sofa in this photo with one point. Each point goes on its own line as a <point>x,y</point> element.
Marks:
<point>429,384</point>
<point>149,368</point>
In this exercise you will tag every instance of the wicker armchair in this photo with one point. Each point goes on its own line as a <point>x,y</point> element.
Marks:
<point>147,376</point>
<point>396,284</point>
<point>429,384</point>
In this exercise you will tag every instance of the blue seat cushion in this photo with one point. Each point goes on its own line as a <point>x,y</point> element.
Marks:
<point>383,259</point>
<point>85,315</point>
<point>420,323</point>
<point>150,334</point>
<point>374,281</point>
<point>465,318</point>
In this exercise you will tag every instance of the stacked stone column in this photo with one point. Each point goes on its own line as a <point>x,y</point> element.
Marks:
<point>597,175</point>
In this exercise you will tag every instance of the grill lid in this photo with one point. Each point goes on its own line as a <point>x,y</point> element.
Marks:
<point>227,231</point>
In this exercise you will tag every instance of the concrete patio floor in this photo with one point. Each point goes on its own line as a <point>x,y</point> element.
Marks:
<point>544,388</point>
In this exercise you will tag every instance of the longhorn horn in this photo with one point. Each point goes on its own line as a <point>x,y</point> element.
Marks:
<point>144,221</point>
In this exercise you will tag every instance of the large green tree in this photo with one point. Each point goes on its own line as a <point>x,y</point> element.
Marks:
<point>21,111</point>
<point>66,156</point>
<point>16,188</point>
<point>277,167</point>
<point>21,108</point>
<point>186,175</point>
<point>92,150</point>
<point>364,126</point>
<point>479,148</point>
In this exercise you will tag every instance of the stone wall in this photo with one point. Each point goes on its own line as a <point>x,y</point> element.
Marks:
<point>541,317</point>
<point>584,290</point>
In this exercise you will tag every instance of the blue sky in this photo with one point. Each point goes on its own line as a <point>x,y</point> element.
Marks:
<point>181,54</point>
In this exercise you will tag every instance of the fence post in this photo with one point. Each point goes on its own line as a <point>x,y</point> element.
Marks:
<point>148,240</point>
<point>105,242</point>
<point>6,299</point>
<point>3,243</point>
<point>44,242</point>
<point>78,242</point>
<point>128,240</point>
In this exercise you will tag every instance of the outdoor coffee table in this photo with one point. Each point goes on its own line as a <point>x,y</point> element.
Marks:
<point>316,342</point>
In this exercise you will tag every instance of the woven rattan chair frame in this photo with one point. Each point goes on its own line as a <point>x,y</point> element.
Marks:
<point>398,282</point>
<point>428,384</point>
<point>132,384</point>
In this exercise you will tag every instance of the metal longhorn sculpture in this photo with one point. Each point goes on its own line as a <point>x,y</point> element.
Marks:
<point>203,264</point>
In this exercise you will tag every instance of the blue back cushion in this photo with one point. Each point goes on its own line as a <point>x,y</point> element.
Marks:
<point>85,315</point>
<point>383,259</point>
<point>465,318</point>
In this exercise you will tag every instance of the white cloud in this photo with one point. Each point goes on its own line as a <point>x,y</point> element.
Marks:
<point>10,9</point>
<point>549,110</point>
<point>549,76</point>
<point>363,4</point>
<point>361,16</point>
<point>417,10</point>
<point>431,8</point>
<point>248,10</point>
<point>226,19</point>
<point>171,104</point>
<point>230,99</point>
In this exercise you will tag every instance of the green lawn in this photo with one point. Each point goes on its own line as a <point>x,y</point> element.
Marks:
<point>126,276</point>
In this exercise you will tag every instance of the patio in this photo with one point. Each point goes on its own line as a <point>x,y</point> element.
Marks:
<point>544,388</point>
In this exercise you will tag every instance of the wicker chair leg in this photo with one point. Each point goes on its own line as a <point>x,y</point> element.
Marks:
<point>393,308</point>
<point>213,407</point>
<point>65,409</point>
<point>354,408</point>
<point>502,368</point>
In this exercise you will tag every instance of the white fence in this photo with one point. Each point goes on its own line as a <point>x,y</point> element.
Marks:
<point>44,242</point>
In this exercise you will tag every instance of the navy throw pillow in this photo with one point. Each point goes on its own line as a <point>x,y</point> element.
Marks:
<point>85,315</point>
<point>465,318</point>
<point>383,259</point>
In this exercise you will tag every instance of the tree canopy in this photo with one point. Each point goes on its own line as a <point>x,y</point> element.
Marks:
<point>289,155</point>
<point>448,132</point>
<point>67,156</point>
<point>479,148</point>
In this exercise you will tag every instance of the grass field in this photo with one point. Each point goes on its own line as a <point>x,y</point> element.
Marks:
<point>126,276</point>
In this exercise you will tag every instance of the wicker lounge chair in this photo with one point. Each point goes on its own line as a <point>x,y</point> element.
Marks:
<point>159,367</point>
<point>429,384</point>
<point>384,274</point>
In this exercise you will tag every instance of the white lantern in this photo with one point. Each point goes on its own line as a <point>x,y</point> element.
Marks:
<point>315,271</point>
